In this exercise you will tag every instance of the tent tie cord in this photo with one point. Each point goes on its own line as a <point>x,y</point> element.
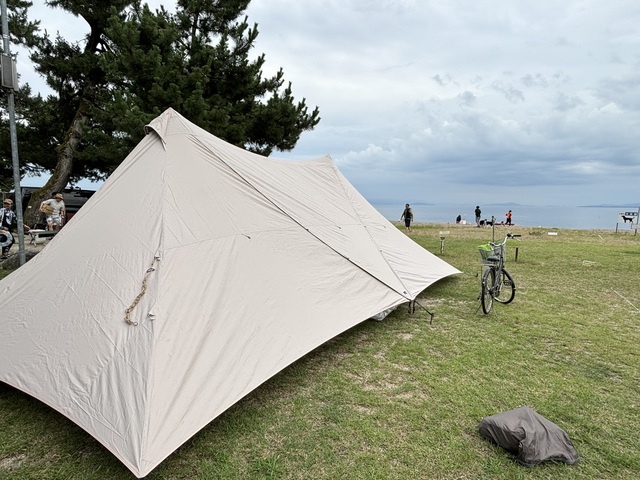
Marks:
<point>412,309</point>
<point>143,290</point>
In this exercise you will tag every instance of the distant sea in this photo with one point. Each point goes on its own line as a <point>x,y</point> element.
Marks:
<point>550,216</point>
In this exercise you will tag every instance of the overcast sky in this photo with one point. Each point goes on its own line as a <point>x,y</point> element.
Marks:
<point>459,101</point>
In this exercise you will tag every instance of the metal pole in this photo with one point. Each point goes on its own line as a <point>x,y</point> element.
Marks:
<point>14,140</point>
<point>493,228</point>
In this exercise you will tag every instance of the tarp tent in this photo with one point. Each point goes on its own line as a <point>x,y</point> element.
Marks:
<point>231,265</point>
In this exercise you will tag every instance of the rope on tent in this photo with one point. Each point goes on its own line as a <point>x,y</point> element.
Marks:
<point>143,290</point>
<point>412,309</point>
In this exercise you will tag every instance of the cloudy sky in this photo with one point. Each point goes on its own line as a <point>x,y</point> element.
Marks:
<point>460,101</point>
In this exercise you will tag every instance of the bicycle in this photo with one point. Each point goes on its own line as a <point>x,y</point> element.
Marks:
<point>497,282</point>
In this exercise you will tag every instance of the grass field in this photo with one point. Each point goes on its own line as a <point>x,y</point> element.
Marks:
<point>402,398</point>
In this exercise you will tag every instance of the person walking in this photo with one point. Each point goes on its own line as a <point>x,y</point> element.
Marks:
<point>478,214</point>
<point>7,224</point>
<point>407,215</point>
<point>509,217</point>
<point>55,212</point>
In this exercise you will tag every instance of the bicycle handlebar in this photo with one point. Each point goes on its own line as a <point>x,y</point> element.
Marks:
<point>506,237</point>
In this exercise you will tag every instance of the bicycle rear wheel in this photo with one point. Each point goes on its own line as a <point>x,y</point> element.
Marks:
<point>505,290</point>
<point>486,296</point>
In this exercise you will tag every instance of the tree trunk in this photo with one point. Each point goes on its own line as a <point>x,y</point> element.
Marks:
<point>62,172</point>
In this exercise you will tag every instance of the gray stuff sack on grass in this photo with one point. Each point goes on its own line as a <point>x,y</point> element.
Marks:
<point>529,436</point>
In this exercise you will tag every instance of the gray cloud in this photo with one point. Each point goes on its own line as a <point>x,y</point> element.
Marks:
<point>564,102</point>
<point>509,91</point>
<point>537,80</point>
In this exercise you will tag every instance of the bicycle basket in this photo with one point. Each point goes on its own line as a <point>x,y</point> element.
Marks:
<point>486,251</point>
<point>499,250</point>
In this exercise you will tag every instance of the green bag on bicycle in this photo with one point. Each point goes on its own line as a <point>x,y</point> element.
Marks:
<point>485,251</point>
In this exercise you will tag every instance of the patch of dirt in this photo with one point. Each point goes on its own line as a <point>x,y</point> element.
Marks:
<point>13,461</point>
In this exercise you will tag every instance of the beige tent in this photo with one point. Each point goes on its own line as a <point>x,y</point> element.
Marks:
<point>194,274</point>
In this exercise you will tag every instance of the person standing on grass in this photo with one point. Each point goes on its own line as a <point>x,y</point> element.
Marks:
<point>55,211</point>
<point>509,217</point>
<point>7,224</point>
<point>478,213</point>
<point>407,215</point>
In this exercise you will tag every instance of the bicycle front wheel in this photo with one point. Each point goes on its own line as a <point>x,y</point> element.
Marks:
<point>486,296</point>
<point>505,290</point>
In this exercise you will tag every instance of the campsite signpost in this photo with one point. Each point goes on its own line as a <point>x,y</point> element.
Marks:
<point>629,217</point>
<point>442,237</point>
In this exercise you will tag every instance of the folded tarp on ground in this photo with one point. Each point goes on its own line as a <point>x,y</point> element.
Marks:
<point>529,436</point>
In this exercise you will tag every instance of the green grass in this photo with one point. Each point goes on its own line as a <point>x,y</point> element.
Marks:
<point>402,398</point>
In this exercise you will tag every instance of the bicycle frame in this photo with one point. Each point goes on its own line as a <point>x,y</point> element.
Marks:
<point>497,283</point>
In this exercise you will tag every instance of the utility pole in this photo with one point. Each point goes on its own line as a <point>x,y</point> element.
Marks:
<point>10,82</point>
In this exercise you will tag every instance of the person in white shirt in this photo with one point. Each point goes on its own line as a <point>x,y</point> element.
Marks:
<point>55,211</point>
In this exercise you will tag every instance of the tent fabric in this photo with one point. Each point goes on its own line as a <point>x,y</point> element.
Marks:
<point>529,436</point>
<point>231,266</point>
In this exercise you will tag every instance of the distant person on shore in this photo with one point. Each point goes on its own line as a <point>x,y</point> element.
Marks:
<point>458,218</point>
<point>407,215</point>
<point>509,217</point>
<point>55,212</point>
<point>478,213</point>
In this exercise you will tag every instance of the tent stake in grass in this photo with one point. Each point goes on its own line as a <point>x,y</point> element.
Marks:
<point>412,309</point>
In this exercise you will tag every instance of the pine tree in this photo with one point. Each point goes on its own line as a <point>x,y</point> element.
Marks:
<point>197,61</point>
